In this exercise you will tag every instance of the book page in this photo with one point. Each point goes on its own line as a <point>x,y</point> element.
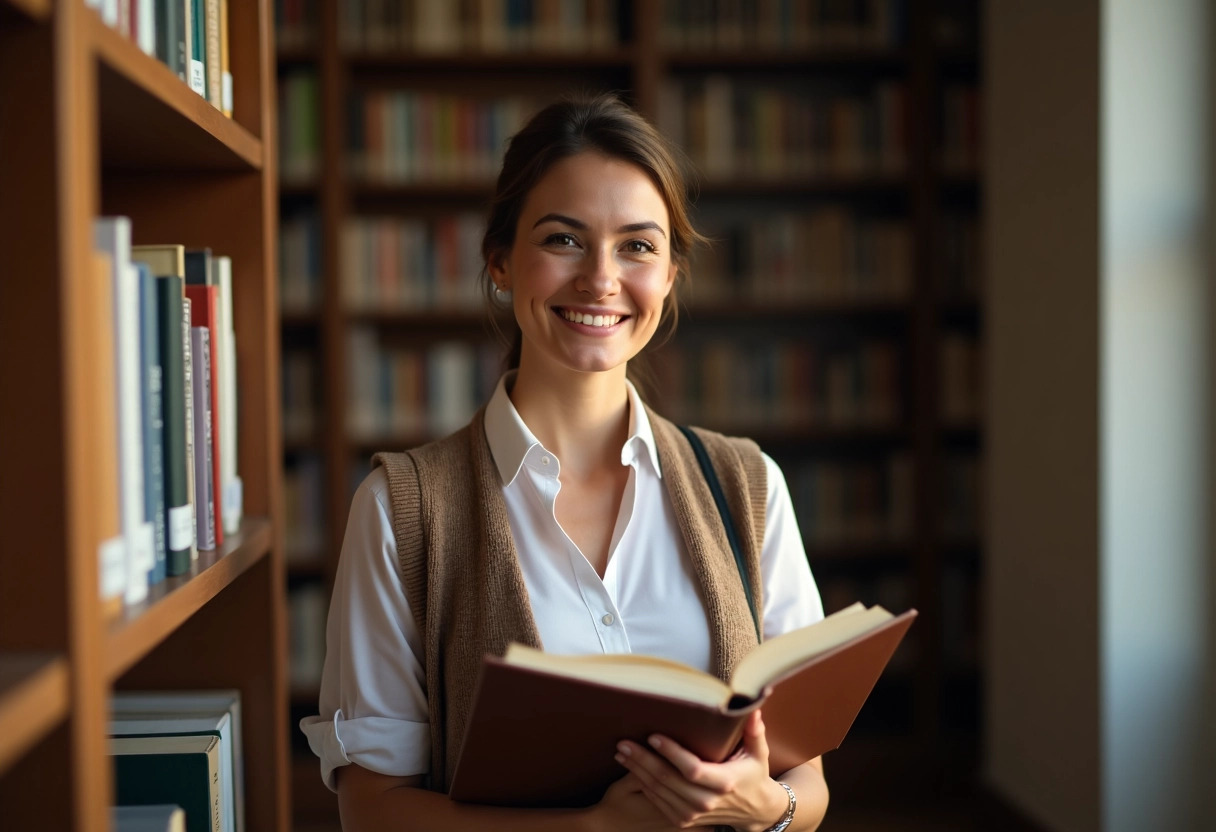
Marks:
<point>629,671</point>
<point>785,652</point>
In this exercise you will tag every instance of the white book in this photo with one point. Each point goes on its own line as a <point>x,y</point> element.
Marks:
<point>231,488</point>
<point>181,756</point>
<point>157,817</point>
<point>113,235</point>
<point>147,26</point>
<point>188,702</point>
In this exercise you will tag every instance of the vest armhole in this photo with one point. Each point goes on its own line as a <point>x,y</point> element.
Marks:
<point>401,469</point>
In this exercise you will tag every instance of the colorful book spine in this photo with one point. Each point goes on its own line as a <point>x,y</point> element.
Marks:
<point>204,487</point>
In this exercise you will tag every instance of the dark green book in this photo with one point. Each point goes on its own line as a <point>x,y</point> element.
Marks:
<point>170,292</point>
<point>182,770</point>
<point>198,48</point>
<point>152,394</point>
<point>171,36</point>
<point>200,270</point>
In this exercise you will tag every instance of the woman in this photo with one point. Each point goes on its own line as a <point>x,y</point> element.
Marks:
<point>566,515</point>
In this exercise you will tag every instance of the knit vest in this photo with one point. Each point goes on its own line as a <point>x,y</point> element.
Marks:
<point>463,581</point>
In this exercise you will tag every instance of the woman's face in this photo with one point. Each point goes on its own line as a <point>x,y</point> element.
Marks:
<point>590,267</point>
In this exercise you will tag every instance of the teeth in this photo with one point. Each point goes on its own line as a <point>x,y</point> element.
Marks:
<point>590,320</point>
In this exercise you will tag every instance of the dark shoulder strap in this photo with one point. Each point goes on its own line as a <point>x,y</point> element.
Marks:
<point>715,487</point>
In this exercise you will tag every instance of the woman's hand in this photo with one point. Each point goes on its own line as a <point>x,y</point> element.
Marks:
<point>624,806</point>
<point>690,792</point>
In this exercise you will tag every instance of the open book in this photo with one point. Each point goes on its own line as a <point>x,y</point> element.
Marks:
<point>544,727</point>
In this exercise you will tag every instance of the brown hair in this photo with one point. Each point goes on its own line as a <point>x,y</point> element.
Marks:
<point>577,124</point>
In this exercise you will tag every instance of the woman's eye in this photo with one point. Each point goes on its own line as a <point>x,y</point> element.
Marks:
<point>639,247</point>
<point>560,240</point>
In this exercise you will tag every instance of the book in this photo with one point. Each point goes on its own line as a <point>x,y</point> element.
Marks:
<point>205,312</point>
<point>113,236</point>
<point>100,398</point>
<point>187,702</point>
<point>205,516</point>
<point>151,389</point>
<point>810,684</point>
<point>157,817</point>
<point>214,723</point>
<point>180,532</point>
<point>183,770</point>
<point>171,35</point>
<point>188,371</point>
<point>231,492</point>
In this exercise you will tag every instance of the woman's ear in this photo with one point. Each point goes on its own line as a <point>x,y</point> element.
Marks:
<point>496,263</point>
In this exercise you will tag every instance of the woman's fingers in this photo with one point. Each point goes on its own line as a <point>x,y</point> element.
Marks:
<point>679,800</point>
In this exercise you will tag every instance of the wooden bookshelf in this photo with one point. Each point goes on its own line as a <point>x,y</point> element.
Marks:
<point>920,191</point>
<point>91,126</point>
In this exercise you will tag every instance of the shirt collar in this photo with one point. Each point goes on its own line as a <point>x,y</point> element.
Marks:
<point>510,439</point>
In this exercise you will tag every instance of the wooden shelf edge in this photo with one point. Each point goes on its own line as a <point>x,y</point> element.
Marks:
<point>36,10</point>
<point>33,701</point>
<point>170,603</point>
<point>762,57</point>
<point>152,79</point>
<point>621,58</point>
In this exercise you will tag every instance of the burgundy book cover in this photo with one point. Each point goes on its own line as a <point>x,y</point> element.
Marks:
<point>535,739</point>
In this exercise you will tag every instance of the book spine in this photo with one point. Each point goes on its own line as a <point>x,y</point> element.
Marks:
<point>177,505</point>
<point>211,22</point>
<point>225,72</point>
<point>191,453</point>
<point>153,421</point>
<point>98,296</point>
<point>231,482</point>
<point>198,46</point>
<point>203,488</point>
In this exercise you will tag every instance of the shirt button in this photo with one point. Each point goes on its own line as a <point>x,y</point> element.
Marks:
<point>607,619</point>
<point>544,460</point>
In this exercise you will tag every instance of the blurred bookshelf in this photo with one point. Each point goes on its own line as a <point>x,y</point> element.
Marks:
<point>837,319</point>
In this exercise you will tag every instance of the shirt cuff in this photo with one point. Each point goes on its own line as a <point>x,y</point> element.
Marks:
<point>394,747</point>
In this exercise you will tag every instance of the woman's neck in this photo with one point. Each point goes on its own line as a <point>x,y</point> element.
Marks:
<point>583,418</point>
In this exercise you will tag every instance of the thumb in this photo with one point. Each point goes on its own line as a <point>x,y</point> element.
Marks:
<point>755,743</point>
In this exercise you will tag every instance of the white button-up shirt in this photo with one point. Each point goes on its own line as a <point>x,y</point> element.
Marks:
<point>373,708</point>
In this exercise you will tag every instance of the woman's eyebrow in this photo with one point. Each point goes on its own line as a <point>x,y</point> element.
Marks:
<point>582,226</point>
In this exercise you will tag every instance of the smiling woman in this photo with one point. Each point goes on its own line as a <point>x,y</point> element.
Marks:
<point>567,515</point>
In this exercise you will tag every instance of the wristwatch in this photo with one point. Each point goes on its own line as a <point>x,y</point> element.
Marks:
<point>789,813</point>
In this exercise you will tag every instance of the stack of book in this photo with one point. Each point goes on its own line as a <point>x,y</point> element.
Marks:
<point>831,254</point>
<point>412,264</point>
<point>180,748</point>
<point>168,351</point>
<point>299,127</point>
<point>399,136</point>
<point>483,26</point>
<point>760,130</point>
<point>188,36</point>
<point>853,503</point>
<point>770,24</point>
<point>300,263</point>
<point>405,393</point>
<point>781,384</point>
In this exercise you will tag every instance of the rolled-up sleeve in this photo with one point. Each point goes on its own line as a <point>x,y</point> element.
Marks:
<point>791,597</point>
<point>373,709</point>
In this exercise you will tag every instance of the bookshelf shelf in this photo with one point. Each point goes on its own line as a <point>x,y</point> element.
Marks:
<point>621,59</point>
<point>37,10</point>
<point>767,58</point>
<point>795,310</point>
<point>823,185</point>
<point>150,119</point>
<point>462,190</point>
<point>33,701</point>
<point>170,603</point>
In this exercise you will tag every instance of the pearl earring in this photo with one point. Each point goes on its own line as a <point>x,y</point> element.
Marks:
<point>502,295</point>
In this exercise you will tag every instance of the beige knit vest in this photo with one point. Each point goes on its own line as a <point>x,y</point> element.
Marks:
<point>465,587</point>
